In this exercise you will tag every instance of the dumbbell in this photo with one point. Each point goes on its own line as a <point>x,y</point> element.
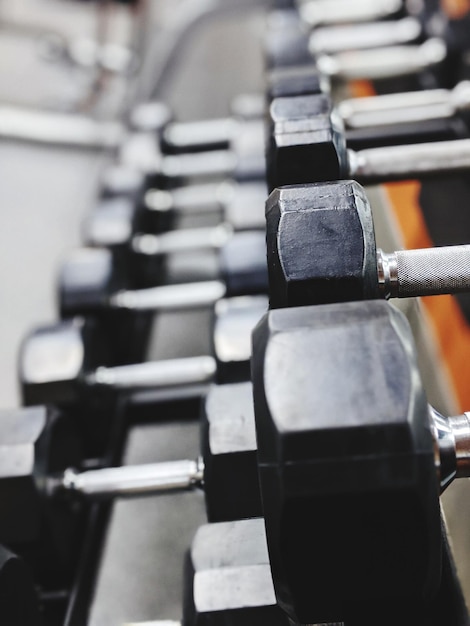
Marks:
<point>41,493</point>
<point>18,601</point>
<point>226,469</point>
<point>63,363</point>
<point>321,248</point>
<point>118,222</point>
<point>92,282</point>
<point>351,461</point>
<point>243,161</point>
<point>313,148</point>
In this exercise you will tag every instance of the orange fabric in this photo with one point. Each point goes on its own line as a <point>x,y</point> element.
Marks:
<point>361,88</point>
<point>455,9</point>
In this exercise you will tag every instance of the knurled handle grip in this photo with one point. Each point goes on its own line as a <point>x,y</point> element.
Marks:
<point>433,271</point>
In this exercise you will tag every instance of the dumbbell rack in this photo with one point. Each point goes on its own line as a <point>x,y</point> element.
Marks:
<point>101,515</point>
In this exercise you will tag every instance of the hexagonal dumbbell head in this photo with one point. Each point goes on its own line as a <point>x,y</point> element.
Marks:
<point>321,244</point>
<point>53,362</point>
<point>36,443</point>
<point>234,321</point>
<point>228,579</point>
<point>287,40</point>
<point>111,223</point>
<point>87,280</point>
<point>346,461</point>
<point>243,265</point>
<point>301,80</point>
<point>18,601</point>
<point>229,450</point>
<point>306,142</point>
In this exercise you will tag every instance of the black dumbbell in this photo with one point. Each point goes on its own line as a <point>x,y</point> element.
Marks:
<point>312,148</point>
<point>226,469</point>
<point>60,364</point>
<point>351,461</point>
<point>18,601</point>
<point>93,282</point>
<point>243,161</point>
<point>118,222</point>
<point>321,248</point>
<point>41,492</point>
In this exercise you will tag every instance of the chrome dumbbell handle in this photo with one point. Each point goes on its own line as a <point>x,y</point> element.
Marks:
<point>387,62</point>
<point>183,240</point>
<point>411,161</point>
<point>402,108</point>
<point>170,297</point>
<point>155,375</point>
<point>205,197</point>
<point>187,135</point>
<point>452,437</point>
<point>318,12</point>
<point>334,39</point>
<point>425,272</point>
<point>131,480</point>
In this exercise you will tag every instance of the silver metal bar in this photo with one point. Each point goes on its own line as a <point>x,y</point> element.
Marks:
<point>156,374</point>
<point>185,135</point>
<point>333,39</point>
<point>58,129</point>
<point>134,480</point>
<point>411,161</point>
<point>388,62</point>
<point>184,240</point>
<point>461,428</point>
<point>157,622</point>
<point>208,197</point>
<point>214,163</point>
<point>316,12</point>
<point>405,107</point>
<point>170,297</point>
<point>452,446</point>
<point>425,272</point>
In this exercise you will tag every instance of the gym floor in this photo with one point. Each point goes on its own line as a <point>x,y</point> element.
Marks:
<point>44,194</point>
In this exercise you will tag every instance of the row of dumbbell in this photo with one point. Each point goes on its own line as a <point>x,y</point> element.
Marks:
<point>91,378</point>
<point>38,522</point>
<point>332,473</point>
<point>329,381</point>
